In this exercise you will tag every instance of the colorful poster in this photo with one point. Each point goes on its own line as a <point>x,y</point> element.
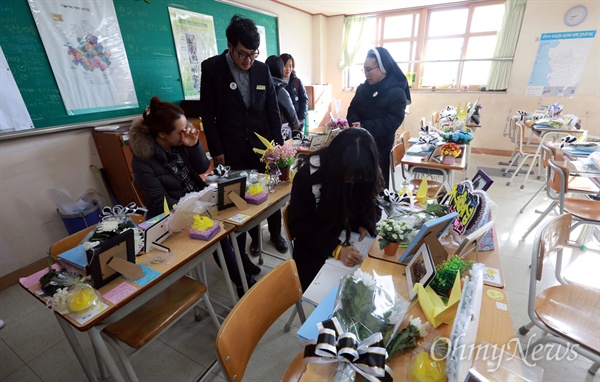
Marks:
<point>559,63</point>
<point>83,43</point>
<point>195,41</point>
<point>13,113</point>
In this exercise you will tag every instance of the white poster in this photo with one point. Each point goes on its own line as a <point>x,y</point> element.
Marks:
<point>83,43</point>
<point>263,43</point>
<point>559,63</point>
<point>13,113</point>
<point>195,41</point>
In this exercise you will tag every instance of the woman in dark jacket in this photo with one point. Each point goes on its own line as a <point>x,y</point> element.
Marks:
<point>380,102</point>
<point>286,107</point>
<point>294,87</point>
<point>167,161</point>
<point>335,189</point>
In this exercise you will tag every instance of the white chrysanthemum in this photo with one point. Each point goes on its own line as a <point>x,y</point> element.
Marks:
<point>419,325</point>
<point>107,226</point>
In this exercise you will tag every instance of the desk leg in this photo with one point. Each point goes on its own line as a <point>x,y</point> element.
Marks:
<point>226,273</point>
<point>238,257</point>
<point>100,346</point>
<point>76,346</point>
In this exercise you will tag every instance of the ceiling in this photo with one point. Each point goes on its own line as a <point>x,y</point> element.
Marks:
<point>350,7</point>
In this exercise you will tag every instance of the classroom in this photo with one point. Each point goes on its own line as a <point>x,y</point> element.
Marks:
<point>58,152</point>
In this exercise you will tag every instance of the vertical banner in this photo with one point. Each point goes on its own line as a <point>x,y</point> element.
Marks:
<point>195,41</point>
<point>85,49</point>
<point>13,113</point>
<point>559,63</point>
<point>263,43</point>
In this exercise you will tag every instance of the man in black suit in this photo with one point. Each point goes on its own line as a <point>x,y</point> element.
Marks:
<point>238,99</point>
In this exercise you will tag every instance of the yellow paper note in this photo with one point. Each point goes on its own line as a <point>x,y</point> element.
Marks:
<point>422,193</point>
<point>434,308</point>
<point>165,207</point>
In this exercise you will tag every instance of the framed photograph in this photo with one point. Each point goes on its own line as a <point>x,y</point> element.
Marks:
<point>429,233</point>
<point>470,242</point>
<point>317,141</point>
<point>420,270</point>
<point>237,185</point>
<point>332,134</point>
<point>99,257</point>
<point>481,181</point>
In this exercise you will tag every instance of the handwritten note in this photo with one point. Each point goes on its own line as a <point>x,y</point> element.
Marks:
<point>361,246</point>
<point>119,293</point>
<point>239,218</point>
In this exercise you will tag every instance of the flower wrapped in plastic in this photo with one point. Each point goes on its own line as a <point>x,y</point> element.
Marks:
<point>337,123</point>
<point>458,136</point>
<point>115,221</point>
<point>366,316</point>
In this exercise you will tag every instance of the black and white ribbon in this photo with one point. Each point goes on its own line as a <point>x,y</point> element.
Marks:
<point>221,170</point>
<point>366,357</point>
<point>119,210</point>
<point>564,141</point>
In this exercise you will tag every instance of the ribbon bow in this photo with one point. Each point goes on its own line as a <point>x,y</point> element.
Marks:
<point>333,345</point>
<point>221,170</point>
<point>119,210</point>
<point>567,140</point>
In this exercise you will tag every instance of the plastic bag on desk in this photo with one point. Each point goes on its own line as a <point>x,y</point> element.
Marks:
<point>193,203</point>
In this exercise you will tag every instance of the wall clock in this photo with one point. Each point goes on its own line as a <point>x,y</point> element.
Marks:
<point>575,15</point>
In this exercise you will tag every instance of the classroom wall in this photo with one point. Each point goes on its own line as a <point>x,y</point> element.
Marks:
<point>30,166</point>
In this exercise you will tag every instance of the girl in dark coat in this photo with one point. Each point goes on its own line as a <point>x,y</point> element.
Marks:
<point>167,161</point>
<point>335,188</point>
<point>286,107</point>
<point>294,87</point>
<point>380,102</point>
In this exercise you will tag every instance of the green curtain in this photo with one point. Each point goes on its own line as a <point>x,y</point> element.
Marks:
<point>506,45</point>
<point>353,30</point>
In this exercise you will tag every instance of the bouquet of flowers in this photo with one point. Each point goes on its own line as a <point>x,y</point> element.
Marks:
<point>337,123</point>
<point>458,136</point>
<point>450,149</point>
<point>392,230</point>
<point>284,155</point>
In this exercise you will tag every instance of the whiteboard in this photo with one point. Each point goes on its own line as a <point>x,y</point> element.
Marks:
<point>13,113</point>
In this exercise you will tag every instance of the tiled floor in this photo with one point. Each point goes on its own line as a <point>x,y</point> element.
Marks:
<point>33,348</point>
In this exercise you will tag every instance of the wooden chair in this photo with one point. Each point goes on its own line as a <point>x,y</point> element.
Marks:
<point>151,319</point>
<point>585,211</point>
<point>253,315</point>
<point>566,313</point>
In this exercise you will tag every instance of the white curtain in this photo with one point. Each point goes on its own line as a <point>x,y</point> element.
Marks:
<point>353,30</point>
<point>508,36</point>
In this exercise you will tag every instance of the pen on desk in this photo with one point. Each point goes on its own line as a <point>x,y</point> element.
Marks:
<point>161,247</point>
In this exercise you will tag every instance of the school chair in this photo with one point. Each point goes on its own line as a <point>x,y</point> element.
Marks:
<point>253,315</point>
<point>566,313</point>
<point>147,322</point>
<point>585,211</point>
<point>523,153</point>
<point>396,156</point>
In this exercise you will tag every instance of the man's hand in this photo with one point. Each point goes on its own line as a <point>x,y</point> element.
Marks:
<point>219,159</point>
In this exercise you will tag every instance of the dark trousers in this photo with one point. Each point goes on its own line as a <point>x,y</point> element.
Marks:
<point>229,255</point>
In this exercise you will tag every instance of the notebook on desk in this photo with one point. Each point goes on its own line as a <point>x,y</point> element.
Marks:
<point>422,150</point>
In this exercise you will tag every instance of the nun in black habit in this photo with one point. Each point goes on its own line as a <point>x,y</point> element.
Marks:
<point>380,102</point>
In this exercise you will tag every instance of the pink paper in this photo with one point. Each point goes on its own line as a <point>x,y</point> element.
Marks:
<point>119,293</point>
<point>30,281</point>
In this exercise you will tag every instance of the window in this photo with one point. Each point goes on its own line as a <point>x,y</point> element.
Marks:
<point>446,47</point>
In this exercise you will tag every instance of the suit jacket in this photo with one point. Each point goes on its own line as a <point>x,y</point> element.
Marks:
<point>230,125</point>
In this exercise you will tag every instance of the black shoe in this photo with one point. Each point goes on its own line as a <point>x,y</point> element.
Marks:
<point>254,249</point>
<point>280,244</point>
<point>249,267</point>
<point>240,288</point>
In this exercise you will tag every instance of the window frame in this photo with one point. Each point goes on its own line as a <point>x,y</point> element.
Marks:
<point>420,38</point>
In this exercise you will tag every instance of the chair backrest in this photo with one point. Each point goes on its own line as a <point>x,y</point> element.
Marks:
<point>548,152</point>
<point>558,180</point>
<point>252,316</point>
<point>396,155</point>
<point>405,137</point>
<point>552,237</point>
<point>398,135</point>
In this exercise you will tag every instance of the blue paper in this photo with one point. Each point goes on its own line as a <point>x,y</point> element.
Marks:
<point>75,256</point>
<point>323,311</point>
<point>149,275</point>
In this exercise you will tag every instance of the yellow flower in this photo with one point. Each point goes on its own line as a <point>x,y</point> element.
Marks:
<point>202,223</point>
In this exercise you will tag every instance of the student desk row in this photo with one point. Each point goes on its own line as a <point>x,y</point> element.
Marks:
<point>495,325</point>
<point>187,254</point>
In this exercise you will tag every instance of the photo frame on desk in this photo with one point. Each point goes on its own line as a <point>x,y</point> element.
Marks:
<point>420,269</point>
<point>317,141</point>
<point>236,185</point>
<point>481,181</point>
<point>429,233</point>
<point>99,257</point>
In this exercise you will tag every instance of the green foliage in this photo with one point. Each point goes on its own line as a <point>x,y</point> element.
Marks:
<point>406,339</point>
<point>446,274</point>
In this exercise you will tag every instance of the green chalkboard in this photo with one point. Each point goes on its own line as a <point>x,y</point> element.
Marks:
<point>148,39</point>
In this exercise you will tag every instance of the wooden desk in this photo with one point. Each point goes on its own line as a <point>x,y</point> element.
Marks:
<point>417,160</point>
<point>257,213</point>
<point>187,254</point>
<point>495,325</point>
<point>489,258</point>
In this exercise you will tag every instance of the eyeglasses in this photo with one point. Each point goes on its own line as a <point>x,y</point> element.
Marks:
<point>369,70</point>
<point>245,56</point>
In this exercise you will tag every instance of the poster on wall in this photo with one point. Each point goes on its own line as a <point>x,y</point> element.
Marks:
<point>13,113</point>
<point>195,41</point>
<point>85,49</point>
<point>263,43</point>
<point>559,63</point>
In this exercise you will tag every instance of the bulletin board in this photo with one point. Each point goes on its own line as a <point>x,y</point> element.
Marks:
<point>148,40</point>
